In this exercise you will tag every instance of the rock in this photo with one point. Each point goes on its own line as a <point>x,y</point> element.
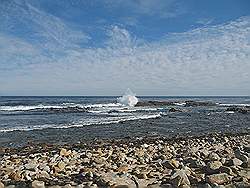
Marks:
<point>242,184</point>
<point>139,152</point>
<point>167,172</point>
<point>165,185</point>
<point>206,185</point>
<point>199,103</point>
<point>196,178</point>
<point>225,169</point>
<point>242,110</point>
<point>10,186</point>
<point>111,179</point>
<point>38,184</point>
<point>171,164</point>
<point>44,174</point>
<point>245,173</point>
<point>61,165</point>
<point>123,168</point>
<point>175,110</point>
<point>241,156</point>
<point>64,152</point>
<point>235,162</point>
<point>218,178</point>
<point>196,163</point>
<point>15,176</point>
<point>213,167</point>
<point>30,166</point>
<point>1,185</point>
<point>154,103</point>
<point>180,178</point>
<point>214,156</point>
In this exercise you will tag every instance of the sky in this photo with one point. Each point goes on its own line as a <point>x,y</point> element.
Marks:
<point>103,47</point>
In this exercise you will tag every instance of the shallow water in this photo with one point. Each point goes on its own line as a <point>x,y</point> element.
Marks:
<point>66,119</point>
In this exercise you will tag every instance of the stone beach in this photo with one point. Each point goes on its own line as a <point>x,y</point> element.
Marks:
<point>214,160</point>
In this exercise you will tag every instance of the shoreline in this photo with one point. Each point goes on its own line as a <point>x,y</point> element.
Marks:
<point>186,161</point>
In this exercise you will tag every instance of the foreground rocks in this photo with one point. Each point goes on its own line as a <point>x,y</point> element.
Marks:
<point>211,161</point>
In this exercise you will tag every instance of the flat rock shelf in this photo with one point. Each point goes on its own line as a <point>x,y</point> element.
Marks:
<point>215,160</point>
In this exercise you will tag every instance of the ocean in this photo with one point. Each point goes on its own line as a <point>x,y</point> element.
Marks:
<point>74,118</point>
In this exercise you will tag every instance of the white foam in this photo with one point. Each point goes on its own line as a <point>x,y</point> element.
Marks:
<point>229,112</point>
<point>128,99</point>
<point>25,108</point>
<point>100,121</point>
<point>234,105</point>
<point>180,103</point>
<point>102,105</point>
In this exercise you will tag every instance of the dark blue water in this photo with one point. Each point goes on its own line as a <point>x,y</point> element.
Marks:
<point>104,117</point>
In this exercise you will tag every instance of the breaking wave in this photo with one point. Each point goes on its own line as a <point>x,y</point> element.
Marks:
<point>111,120</point>
<point>128,99</point>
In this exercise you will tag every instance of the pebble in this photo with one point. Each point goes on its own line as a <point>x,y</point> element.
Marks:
<point>218,161</point>
<point>38,184</point>
<point>1,185</point>
<point>218,178</point>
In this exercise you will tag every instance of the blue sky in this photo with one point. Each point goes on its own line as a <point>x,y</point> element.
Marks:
<point>102,47</point>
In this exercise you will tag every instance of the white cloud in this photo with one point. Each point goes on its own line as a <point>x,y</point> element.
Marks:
<point>205,61</point>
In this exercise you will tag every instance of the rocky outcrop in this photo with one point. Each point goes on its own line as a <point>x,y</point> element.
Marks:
<point>242,110</point>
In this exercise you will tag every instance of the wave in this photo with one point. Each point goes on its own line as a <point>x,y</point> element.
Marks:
<point>65,107</point>
<point>26,108</point>
<point>241,105</point>
<point>103,105</point>
<point>111,120</point>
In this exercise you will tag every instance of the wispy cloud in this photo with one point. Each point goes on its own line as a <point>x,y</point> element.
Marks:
<point>204,61</point>
<point>162,8</point>
<point>21,18</point>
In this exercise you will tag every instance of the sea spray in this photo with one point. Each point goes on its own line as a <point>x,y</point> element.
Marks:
<point>128,99</point>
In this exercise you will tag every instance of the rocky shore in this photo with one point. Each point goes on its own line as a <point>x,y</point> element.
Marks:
<point>215,160</point>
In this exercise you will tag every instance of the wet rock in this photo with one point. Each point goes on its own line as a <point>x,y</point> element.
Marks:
<point>199,103</point>
<point>38,184</point>
<point>218,178</point>
<point>155,103</point>
<point>242,110</point>
<point>175,110</point>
